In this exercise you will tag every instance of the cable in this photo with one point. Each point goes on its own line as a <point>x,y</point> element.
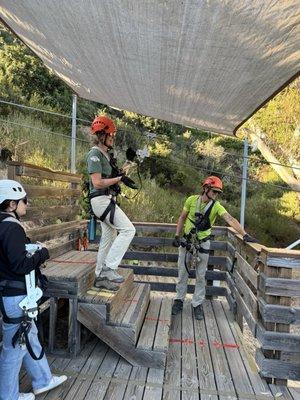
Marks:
<point>44,111</point>
<point>84,120</point>
<point>239,177</point>
<point>42,130</point>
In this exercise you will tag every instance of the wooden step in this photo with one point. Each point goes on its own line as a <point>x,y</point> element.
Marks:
<point>113,301</point>
<point>155,330</point>
<point>119,338</point>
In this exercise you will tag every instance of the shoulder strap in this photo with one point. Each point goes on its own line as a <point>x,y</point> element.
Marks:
<point>208,208</point>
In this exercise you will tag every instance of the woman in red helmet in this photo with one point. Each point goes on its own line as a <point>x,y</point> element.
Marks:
<point>198,215</point>
<point>117,231</point>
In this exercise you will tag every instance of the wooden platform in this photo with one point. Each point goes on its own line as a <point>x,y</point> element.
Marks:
<point>206,360</point>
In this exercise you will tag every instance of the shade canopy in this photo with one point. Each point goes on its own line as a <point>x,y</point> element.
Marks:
<point>207,64</point>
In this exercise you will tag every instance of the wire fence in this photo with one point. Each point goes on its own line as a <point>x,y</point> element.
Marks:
<point>236,156</point>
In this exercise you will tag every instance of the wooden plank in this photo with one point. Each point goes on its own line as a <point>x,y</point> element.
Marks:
<point>246,293</point>
<point>84,379</point>
<point>278,340</point>
<point>283,258</point>
<point>52,323</point>
<point>276,368</point>
<point>136,311</point>
<point>279,287</point>
<point>163,227</point>
<point>135,387</point>
<point>246,270</point>
<point>173,272</point>
<point>65,212</point>
<point>279,314</point>
<point>173,365</point>
<point>259,385</point>
<point>155,377</point>
<point>189,374</point>
<point>50,231</point>
<point>161,342</point>
<point>99,385</point>
<point>222,373</point>
<point>280,392</point>
<point>205,366</point>
<point>74,334</point>
<point>173,257</point>
<point>116,389</point>
<point>73,366</point>
<point>171,287</point>
<point>238,371</point>
<point>117,318</point>
<point>251,321</point>
<point>35,191</point>
<point>147,335</point>
<point>35,171</point>
<point>149,241</point>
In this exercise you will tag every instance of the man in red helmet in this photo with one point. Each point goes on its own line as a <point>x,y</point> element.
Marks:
<point>198,215</point>
<point>116,229</point>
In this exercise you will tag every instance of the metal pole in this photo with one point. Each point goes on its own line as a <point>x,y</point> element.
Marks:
<point>73,138</point>
<point>291,246</point>
<point>244,183</point>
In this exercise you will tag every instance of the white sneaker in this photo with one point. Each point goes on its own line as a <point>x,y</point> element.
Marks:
<point>112,275</point>
<point>26,396</point>
<point>55,381</point>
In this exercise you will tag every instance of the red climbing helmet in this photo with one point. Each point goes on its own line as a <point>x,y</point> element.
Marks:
<point>213,182</point>
<point>103,124</point>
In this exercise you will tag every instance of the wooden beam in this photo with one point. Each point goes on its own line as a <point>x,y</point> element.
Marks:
<point>276,368</point>
<point>46,191</point>
<point>30,170</point>
<point>271,340</point>
<point>279,286</point>
<point>173,272</point>
<point>278,314</point>
<point>171,287</point>
<point>50,231</point>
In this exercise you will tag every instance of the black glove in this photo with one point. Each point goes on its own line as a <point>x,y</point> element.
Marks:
<point>176,241</point>
<point>128,182</point>
<point>130,154</point>
<point>249,239</point>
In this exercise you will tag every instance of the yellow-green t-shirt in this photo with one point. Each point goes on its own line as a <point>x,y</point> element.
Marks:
<point>190,207</point>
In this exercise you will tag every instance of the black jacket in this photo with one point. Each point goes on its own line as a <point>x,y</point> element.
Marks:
<point>14,260</point>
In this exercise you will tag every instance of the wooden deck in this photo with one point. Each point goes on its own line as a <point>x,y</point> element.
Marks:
<point>206,360</point>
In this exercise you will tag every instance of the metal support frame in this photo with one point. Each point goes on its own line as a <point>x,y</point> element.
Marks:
<point>244,183</point>
<point>73,137</point>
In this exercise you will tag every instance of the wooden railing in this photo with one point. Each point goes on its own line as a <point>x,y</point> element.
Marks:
<point>53,196</point>
<point>264,289</point>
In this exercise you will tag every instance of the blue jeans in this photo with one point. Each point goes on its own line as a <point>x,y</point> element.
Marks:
<point>11,358</point>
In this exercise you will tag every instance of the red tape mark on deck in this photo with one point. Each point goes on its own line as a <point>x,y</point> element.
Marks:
<point>202,343</point>
<point>163,321</point>
<point>130,301</point>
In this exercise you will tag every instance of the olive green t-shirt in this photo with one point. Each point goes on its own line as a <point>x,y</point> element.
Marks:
<point>190,207</point>
<point>97,162</point>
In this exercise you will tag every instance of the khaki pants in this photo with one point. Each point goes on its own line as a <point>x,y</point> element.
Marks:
<point>115,238</point>
<point>201,267</point>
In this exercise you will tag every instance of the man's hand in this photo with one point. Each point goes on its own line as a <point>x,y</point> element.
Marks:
<point>249,239</point>
<point>128,182</point>
<point>176,241</point>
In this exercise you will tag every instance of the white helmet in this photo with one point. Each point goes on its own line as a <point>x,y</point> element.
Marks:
<point>11,190</point>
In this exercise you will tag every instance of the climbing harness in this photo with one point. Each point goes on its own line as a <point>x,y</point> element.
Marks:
<point>190,240</point>
<point>29,304</point>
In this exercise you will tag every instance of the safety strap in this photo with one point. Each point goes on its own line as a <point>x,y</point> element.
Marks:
<point>21,336</point>
<point>111,208</point>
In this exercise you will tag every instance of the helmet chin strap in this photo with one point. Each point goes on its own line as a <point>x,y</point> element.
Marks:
<point>206,193</point>
<point>15,210</point>
<point>108,147</point>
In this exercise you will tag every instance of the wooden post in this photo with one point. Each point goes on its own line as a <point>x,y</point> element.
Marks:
<point>274,272</point>
<point>52,323</point>
<point>74,328</point>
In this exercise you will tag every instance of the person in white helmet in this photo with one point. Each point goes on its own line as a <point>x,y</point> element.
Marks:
<point>15,263</point>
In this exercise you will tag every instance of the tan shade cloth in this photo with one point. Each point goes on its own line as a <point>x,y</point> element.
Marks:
<point>206,64</point>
